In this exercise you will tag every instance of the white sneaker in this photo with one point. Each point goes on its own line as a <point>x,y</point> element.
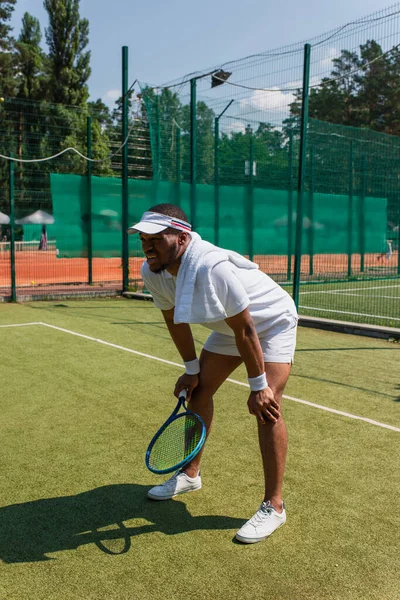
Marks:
<point>179,483</point>
<point>262,524</point>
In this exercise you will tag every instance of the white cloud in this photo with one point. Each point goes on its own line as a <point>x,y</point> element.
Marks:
<point>234,127</point>
<point>272,100</point>
<point>111,96</point>
<point>330,54</point>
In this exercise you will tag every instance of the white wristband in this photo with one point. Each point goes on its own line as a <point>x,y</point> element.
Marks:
<point>258,383</point>
<point>192,367</point>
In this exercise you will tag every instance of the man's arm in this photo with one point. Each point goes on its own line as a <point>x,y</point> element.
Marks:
<point>181,335</point>
<point>183,340</point>
<point>261,403</point>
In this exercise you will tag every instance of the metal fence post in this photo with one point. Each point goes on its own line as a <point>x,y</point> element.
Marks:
<point>311,214</point>
<point>178,165</point>
<point>350,211</point>
<point>216,181</point>
<point>250,205</point>
<point>302,174</point>
<point>193,151</point>
<point>361,214</point>
<point>290,209</point>
<point>12,230</point>
<point>125,190</point>
<point>89,201</point>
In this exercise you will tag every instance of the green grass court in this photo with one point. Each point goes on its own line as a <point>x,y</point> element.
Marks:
<point>375,301</point>
<point>78,413</point>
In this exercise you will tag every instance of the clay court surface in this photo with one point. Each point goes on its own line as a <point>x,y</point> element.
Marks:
<point>34,267</point>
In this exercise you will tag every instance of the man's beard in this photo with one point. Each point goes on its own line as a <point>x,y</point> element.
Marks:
<point>173,255</point>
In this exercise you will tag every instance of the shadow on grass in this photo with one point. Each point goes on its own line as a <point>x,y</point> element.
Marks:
<point>398,397</point>
<point>342,349</point>
<point>29,531</point>
<point>374,392</point>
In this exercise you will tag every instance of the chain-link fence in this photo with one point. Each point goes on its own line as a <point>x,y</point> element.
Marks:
<point>290,157</point>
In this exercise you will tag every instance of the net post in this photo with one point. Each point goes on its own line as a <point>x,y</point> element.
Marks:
<point>125,190</point>
<point>311,214</point>
<point>193,150</point>
<point>89,201</point>
<point>12,228</point>
<point>216,181</point>
<point>301,174</point>
<point>350,211</point>
<point>290,209</point>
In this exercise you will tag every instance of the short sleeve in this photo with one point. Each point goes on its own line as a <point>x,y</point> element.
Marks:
<point>229,289</point>
<point>160,299</point>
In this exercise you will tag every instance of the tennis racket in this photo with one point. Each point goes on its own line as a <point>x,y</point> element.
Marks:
<point>177,441</point>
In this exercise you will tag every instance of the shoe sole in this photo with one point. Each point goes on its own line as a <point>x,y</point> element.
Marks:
<point>244,540</point>
<point>173,496</point>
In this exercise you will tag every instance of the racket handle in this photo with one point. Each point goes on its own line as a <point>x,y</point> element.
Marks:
<point>182,395</point>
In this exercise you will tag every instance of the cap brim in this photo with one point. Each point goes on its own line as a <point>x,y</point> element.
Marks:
<point>144,227</point>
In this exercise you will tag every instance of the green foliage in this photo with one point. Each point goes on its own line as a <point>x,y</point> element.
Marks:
<point>7,62</point>
<point>31,60</point>
<point>362,91</point>
<point>69,64</point>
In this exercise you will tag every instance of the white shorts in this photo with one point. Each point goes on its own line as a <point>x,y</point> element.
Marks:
<point>277,346</point>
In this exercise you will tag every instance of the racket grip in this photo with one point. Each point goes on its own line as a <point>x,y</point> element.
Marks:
<point>183,395</point>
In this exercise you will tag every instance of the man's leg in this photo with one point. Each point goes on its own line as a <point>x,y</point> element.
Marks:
<point>273,438</point>
<point>214,370</point>
<point>273,444</point>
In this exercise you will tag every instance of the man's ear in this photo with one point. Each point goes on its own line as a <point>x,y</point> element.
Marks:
<point>183,238</point>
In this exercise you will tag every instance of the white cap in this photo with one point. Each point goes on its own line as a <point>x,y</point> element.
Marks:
<point>153,222</point>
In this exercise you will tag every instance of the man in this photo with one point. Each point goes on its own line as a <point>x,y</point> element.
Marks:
<point>252,320</point>
<point>388,253</point>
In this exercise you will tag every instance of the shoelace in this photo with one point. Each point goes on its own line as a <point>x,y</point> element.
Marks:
<point>262,514</point>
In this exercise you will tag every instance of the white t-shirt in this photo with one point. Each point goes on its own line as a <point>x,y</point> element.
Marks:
<point>269,305</point>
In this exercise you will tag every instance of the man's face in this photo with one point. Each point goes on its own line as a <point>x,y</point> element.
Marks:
<point>162,250</point>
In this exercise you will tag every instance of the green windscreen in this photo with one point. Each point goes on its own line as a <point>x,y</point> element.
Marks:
<point>261,227</point>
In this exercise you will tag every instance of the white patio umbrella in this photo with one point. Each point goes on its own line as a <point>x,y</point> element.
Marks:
<point>37,218</point>
<point>40,217</point>
<point>4,219</point>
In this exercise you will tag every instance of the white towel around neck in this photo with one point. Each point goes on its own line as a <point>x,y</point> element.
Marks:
<point>196,266</point>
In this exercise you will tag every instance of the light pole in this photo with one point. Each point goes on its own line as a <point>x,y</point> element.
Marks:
<point>218,77</point>
<point>216,173</point>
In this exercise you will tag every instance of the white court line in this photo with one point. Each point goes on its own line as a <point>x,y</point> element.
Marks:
<point>345,312</point>
<point>168,362</point>
<point>20,325</point>
<point>363,289</point>
<point>241,383</point>
<point>369,296</point>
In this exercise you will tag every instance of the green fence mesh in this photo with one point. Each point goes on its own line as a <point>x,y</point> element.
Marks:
<point>224,143</point>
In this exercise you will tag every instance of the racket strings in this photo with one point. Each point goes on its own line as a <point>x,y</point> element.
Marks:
<point>176,442</point>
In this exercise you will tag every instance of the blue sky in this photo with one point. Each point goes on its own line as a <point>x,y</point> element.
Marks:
<point>169,38</point>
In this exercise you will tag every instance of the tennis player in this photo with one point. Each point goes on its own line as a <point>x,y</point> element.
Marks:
<point>389,251</point>
<point>252,321</point>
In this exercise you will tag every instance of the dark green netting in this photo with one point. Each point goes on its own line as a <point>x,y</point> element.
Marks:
<point>261,231</point>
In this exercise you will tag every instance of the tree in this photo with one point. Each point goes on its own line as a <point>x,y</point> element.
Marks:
<point>362,91</point>
<point>69,63</point>
<point>7,82</point>
<point>205,140</point>
<point>31,60</point>
<point>100,111</point>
